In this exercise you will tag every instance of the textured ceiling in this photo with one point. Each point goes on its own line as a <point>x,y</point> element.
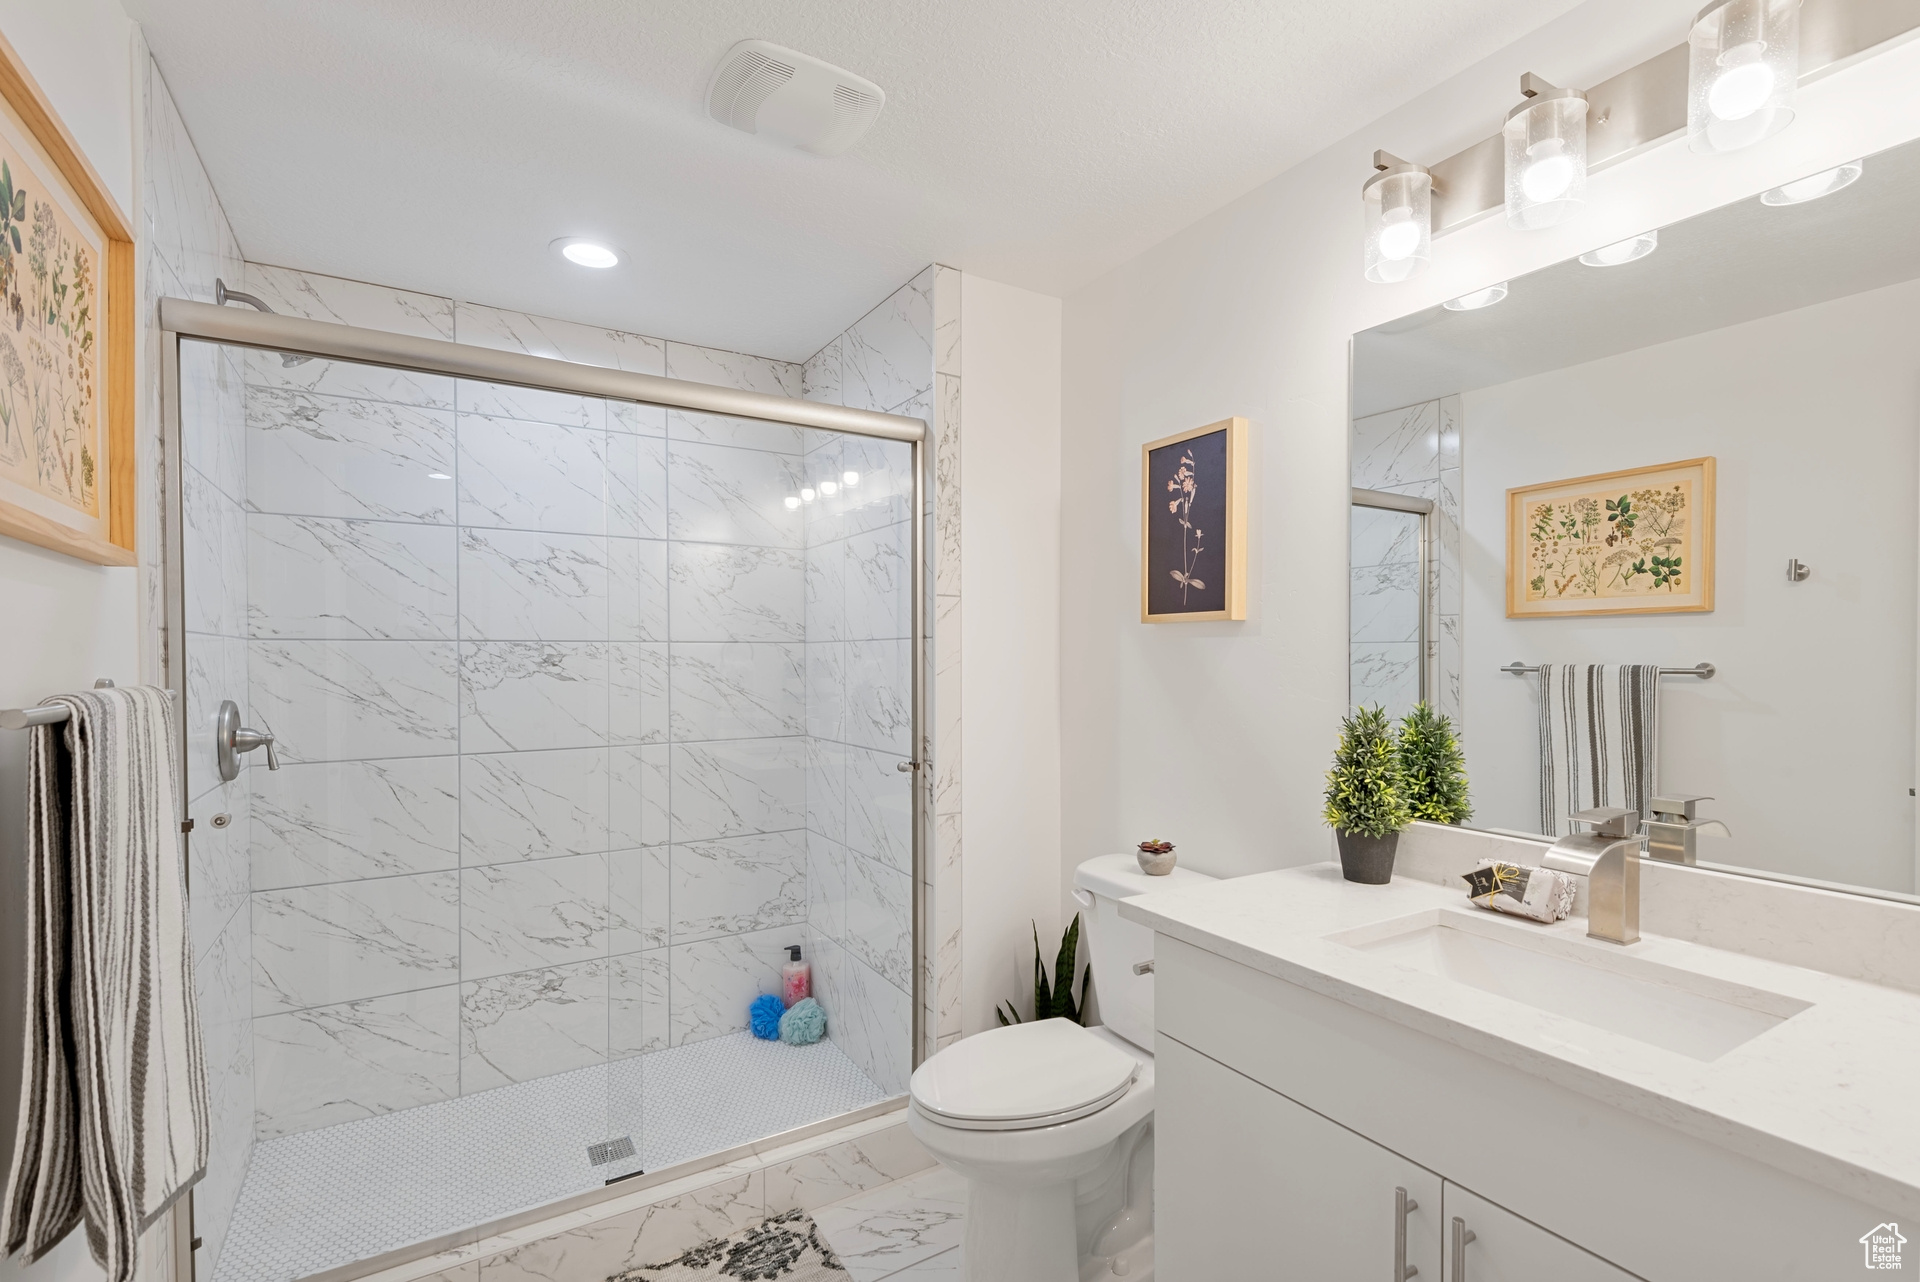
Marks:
<point>441,145</point>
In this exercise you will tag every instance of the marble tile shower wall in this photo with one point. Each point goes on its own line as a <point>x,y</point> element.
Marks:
<point>539,668</point>
<point>1413,451</point>
<point>859,679</point>
<point>186,244</point>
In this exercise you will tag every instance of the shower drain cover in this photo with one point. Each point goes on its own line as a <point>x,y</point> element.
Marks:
<point>610,1150</point>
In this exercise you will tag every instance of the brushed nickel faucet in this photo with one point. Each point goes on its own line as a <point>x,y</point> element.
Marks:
<point>1675,824</point>
<point>1609,858</point>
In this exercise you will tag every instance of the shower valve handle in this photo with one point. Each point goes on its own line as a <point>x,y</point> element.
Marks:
<point>230,739</point>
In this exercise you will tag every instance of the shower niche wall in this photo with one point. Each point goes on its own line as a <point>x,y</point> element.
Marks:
<point>584,715</point>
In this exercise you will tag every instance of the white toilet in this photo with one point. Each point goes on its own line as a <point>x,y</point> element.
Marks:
<point>1051,1123</point>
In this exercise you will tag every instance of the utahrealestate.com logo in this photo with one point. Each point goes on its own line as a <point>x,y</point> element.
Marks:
<point>1882,1246</point>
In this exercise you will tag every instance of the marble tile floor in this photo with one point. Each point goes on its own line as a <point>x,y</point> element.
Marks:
<point>907,1231</point>
<point>322,1198</point>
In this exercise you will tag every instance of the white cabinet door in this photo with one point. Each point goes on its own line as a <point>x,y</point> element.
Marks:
<point>1250,1185</point>
<point>1506,1248</point>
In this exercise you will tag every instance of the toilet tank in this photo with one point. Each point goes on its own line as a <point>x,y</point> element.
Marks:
<point>1115,946</point>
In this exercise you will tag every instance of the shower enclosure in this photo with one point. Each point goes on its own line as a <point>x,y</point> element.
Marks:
<point>590,695</point>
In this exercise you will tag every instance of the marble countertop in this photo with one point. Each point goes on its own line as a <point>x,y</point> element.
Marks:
<point>1831,1094</point>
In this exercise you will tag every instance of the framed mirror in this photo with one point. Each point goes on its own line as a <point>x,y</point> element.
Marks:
<point>1669,548</point>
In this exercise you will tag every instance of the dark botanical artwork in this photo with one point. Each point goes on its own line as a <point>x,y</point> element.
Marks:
<point>1187,540</point>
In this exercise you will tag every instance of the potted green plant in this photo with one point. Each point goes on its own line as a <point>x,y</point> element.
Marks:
<point>1053,999</point>
<point>1366,797</point>
<point>1434,769</point>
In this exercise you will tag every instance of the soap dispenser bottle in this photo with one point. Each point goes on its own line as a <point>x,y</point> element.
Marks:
<point>796,977</point>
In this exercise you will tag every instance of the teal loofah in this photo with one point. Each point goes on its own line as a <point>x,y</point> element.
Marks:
<point>764,1016</point>
<point>804,1023</point>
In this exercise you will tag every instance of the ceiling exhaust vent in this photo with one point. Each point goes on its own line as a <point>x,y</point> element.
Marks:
<point>786,95</point>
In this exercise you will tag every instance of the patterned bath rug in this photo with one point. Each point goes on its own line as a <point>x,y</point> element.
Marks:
<point>787,1247</point>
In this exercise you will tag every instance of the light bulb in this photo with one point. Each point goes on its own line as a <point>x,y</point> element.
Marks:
<point>850,478</point>
<point>807,494</point>
<point>1399,234</point>
<point>1744,85</point>
<point>792,502</point>
<point>828,487</point>
<point>1624,251</point>
<point>1477,299</point>
<point>1814,186</point>
<point>587,254</point>
<point>1549,172</point>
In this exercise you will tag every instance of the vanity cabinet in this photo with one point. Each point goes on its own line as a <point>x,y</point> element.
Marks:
<point>1286,1118</point>
<point>1250,1184</point>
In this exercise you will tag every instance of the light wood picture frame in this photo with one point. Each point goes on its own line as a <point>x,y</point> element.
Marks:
<point>67,474</point>
<point>1193,525</point>
<point>1636,541</point>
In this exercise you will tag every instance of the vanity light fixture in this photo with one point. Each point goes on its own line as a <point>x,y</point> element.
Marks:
<point>1743,61</point>
<point>793,502</point>
<point>1479,298</point>
<point>1398,203</point>
<point>808,494</point>
<point>849,478</point>
<point>829,487</point>
<point>1814,186</point>
<point>586,253</point>
<point>1546,146</point>
<point>1622,251</point>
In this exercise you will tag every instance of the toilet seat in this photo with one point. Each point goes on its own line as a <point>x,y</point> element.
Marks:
<point>1022,1077</point>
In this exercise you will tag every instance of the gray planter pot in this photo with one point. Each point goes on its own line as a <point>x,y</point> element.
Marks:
<point>1368,860</point>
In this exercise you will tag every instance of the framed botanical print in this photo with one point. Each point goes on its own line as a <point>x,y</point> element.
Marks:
<point>66,338</point>
<point>1639,541</point>
<point>1193,525</point>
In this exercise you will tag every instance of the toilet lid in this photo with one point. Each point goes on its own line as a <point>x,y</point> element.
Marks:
<point>1021,1073</point>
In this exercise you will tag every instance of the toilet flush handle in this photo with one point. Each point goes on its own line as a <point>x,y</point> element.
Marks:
<point>1143,968</point>
<point>1083,897</point>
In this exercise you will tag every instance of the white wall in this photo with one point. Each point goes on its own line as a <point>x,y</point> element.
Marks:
<point>1805,737</point>
<point>1217,735</point>
<point>1010,635</point>
<point>67,622</point>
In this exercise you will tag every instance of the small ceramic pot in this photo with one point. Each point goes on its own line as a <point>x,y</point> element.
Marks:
<point>1157,865</point>
<point>1368,860</point>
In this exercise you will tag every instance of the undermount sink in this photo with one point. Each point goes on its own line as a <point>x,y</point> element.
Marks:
<point>1598,985</point>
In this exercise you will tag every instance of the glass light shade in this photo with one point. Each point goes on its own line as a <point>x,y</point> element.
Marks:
<point>792,502</point>
<point>850,478</point>
<point>1743,61</point>
<point>1477,299</point>
<point>1622,251</point>
<point>1814,186</point>
<point>1399,212</point>
<point>807,494</point>
<point>1546,146</point>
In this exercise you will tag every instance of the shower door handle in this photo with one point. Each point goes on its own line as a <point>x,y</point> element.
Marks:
<point>230,739</point>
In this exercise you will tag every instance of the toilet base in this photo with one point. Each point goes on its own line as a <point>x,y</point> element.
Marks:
<point>1019,1234</point>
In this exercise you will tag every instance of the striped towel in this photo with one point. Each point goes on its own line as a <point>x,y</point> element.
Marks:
<point>113,1094</point>
<point>1599,738</point>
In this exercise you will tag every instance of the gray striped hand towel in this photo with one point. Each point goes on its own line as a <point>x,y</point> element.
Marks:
<point>113,1093</point>
<point>1599,738</point>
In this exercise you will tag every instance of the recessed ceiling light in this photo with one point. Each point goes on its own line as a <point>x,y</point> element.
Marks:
<point>1477,299</point>
<point>1813,186</point>
<point>1624,251</point>
<point>586,253</point>
<point>438,476</point>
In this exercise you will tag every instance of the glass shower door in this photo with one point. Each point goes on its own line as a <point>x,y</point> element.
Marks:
<point>587,712</point>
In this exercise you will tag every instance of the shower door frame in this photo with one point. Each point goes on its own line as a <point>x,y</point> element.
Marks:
<point>182,319</point>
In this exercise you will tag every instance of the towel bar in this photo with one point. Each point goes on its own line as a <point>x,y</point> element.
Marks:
<point>1704,671</point>
<point>53,715</point>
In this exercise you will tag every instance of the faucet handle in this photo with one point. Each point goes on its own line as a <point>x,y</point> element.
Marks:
<point>1682,805</point>
<point>1608,821</point>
